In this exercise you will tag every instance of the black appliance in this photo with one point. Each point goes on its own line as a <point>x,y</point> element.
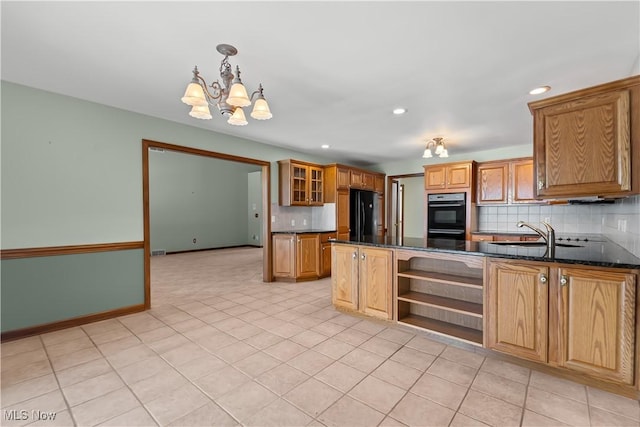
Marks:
<point>447,216</point>
<point>363,214</point>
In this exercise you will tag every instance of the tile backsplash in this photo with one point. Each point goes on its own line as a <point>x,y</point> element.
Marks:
<point>619,221</point>
<point>292,218</point>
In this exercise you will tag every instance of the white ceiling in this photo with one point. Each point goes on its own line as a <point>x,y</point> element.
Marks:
<point>332,71</point>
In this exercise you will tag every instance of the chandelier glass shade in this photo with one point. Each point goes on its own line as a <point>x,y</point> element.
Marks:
<point>229,97</point>
<point>438,146</point>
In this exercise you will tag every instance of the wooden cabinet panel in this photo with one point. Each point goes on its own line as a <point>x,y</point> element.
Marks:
<point>343,178</point>
<point>284,255</point>
<point>356,179</point>
<point>435,177</point>
<point>367,181</point>
<point>307,256</point>
<point>378,185</point>
<point>300,184</point>
<point>598,323</point>
<point>583,141</point>
<point>516,301</point>
<point>448,176</point>
<point>522,182</point>
<point>492,183</point>
<point>316,187</point>
<point>344,276</point>
<point>459,176</point>
<point>342,214</point>
<point>505,182</point>
<point>325,259</point>
<point>376,282</point>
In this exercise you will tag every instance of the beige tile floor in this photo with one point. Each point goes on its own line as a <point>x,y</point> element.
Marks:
<point>221,348</point>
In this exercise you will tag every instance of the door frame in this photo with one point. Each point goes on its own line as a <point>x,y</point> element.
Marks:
<point>390,180</point>
<point>267,275</point>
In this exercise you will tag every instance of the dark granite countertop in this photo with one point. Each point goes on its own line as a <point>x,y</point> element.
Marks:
<point>596,251</point>
<point>305,231</point>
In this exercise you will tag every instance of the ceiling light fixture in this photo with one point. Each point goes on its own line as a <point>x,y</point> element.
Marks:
<point>439,148</point>
<point>324,146</point>
<point>539,90</point>
<point>229,98</point>
<point>399,111</point>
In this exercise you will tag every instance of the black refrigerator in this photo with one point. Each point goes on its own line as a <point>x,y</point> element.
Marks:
<point>363,211</point>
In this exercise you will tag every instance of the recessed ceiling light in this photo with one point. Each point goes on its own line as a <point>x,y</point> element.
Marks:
<point>324,146</point>
<point>399,111</point>
<point>539,90</point>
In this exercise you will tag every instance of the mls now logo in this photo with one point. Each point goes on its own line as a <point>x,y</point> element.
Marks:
<point>15,415</point>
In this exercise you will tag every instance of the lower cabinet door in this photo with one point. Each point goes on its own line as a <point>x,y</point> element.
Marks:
<point>516,309</point>
<point>325,260</point>
<point>344,276</point>
<point>284,255</point>
<point>307,258</point>
<point>376,297</point>
<point>598,323</point>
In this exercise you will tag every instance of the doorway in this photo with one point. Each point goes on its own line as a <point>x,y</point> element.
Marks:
<point>406,208</point>
<point>262,209</point>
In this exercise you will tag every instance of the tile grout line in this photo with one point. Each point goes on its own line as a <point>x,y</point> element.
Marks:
<point>55,375</point>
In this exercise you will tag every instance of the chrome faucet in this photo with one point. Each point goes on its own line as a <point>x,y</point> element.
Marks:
<point>549,237</point>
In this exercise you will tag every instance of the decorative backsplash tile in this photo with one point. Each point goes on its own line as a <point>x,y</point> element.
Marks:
<point>292,218</point>
<point>619,221</point>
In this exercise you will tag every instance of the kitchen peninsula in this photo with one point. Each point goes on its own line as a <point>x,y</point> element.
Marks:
<point>576,311</point>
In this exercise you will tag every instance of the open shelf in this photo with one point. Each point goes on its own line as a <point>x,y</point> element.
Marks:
<point>450,279</point>
<point>473,336</point>
<point>450,304</point>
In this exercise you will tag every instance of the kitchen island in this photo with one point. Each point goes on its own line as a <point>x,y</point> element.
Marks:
<point>576,312</point>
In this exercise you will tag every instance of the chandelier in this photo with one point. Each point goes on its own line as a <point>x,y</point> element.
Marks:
<point>229,97</point>
<point>439,148</point>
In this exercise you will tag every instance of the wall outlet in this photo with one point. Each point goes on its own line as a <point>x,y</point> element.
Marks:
<point>293,222</point>
<point>273,218</point>
<point>547,219</point>
<point>622,225</point>
<point>304,222</point>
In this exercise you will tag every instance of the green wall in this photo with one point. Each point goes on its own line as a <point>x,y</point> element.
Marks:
<point>196,197</point>
<point>42,290</point>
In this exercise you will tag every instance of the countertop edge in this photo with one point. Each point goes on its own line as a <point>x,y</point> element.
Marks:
<point>492,255</point>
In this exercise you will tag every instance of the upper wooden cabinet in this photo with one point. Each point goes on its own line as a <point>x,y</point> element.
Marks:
<point>505,182</point>
<point>301,184</point>
<point>587,143</point>
<point>448,176</point>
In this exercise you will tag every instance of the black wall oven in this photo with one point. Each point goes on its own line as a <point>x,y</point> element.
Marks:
<point>446,216</point>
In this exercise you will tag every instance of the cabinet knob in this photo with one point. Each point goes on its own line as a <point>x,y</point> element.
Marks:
<point>363,256</point>
<point>543,278</point>
<point>355,255</point>
<point>540,184</point>
<point>563,280</point>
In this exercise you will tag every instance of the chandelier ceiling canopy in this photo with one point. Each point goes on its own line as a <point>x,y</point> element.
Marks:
<point>229,97</point>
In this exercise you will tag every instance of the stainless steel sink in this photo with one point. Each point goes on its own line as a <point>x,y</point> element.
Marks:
<point>534,244</point>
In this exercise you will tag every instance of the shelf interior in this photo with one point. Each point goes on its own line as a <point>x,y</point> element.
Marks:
<point>473,282</point>
<point>467,334</point>
<point>464,307</point>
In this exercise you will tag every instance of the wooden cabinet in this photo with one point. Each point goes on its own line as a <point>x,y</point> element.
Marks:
<point>448,176</point>
<point>342,214</point>
<point>597,323</point>
<point>579,318</point>
<point>344,276</point>
<point>361,279</point>
<point>325,254</point>
<point>296,256</point>
<point>339,179</point>
<point>585,141</point>
<point>517,303</point>
<point>301,184</point>
<point>505,182</point>
<point>441,293</point>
